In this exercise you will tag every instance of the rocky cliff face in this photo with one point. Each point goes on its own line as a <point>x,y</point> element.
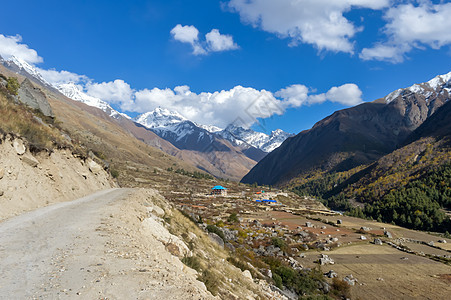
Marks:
<point>354,136</point>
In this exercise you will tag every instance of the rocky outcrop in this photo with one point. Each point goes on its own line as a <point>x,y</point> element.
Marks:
<point>34,98</point>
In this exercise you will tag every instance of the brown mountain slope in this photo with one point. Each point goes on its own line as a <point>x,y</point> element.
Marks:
<point>351,137</point>
<point>225,160</point>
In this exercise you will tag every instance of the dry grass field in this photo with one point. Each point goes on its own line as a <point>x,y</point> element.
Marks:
<point>384,272</point>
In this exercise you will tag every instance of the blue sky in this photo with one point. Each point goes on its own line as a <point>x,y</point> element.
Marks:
<point>290,63</point>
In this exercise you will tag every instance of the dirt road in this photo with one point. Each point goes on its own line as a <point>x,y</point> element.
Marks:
<point>90,248</point>
<point>32,245</point>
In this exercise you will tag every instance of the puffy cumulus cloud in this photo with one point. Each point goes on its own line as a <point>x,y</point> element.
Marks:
<point>220,108</point>
<point>219,42</point>
<point>11,45</point>
<point>240,105</point>
<point>347,94</point>
<point>317,22</point>
<point>297,95</point>
<point>411,26</point>
<point>190,35</point>
<point>214,40</point>
<point>61,77</point>
<point>116,91</point>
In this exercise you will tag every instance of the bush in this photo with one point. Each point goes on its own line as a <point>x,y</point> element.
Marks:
<point>214,229</point>
<point>210,280</point>
<point>192,262</point>
<point>277,281</point>
<point>233,218</point>
<point>13,85</point>
<point>114,173</point>
<point>341,288</point>
<point>278,242</point>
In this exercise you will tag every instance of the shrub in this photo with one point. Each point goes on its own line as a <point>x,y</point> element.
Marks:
<point>214,229</point>
<point>278,242</point>
<point>192,262</point>
<point>340,288</point>
<point>210,280</point>
<point>233,218</point>
<point>114,173</point>
<point>13,85</point>
<point>277,281</point>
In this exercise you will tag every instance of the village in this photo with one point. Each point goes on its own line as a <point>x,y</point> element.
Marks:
<point>258,223</point>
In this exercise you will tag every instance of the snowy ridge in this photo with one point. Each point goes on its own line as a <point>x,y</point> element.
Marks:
<point>259,140</point>
<point>75,92</point>
<point>437,85</point>
<point>19,65</point>
<point>160,118</point>
<point>171,124</point>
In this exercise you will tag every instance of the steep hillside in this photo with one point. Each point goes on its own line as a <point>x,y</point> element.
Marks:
<point>354,136</point>
<point>39,165</point>
<point>410,186</point>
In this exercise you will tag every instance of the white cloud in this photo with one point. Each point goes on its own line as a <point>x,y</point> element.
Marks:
<point>412,27</point>
<point>214,40</point>
<point>60,77</point>
<point>219,42</point>
<point>11,45</point>
<point>297,95</point>
<point>240,105</point>
<point>190,35</point>
<point>317,22</point>
<point>116,91</point>
<point>347,94</point>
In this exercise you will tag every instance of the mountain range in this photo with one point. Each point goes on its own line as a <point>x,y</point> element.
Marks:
<point>355,136</point>
<point>228,153</point>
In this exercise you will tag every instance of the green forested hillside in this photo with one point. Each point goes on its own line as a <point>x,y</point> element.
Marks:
<point>410,187</point>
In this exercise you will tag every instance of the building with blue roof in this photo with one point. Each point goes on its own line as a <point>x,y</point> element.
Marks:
<point>219,190</point>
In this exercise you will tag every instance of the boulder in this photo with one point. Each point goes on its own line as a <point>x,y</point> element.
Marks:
<point>350,280</point>
<point>339,222</point>
<point>440,241</point>
<point>388,234</point>
<point>247,274</point>
<point>30,160</point>
<point>363,238</point>
<point>173,249</point>
<point>19,146</point>
<point>34,98</point>
<point>377,241</point>
<point>156,210</point>
<point>326,260</point>
<point>216,238</point>
<point>308,224</point>
<point>331,274</point>
<point>94,167</point>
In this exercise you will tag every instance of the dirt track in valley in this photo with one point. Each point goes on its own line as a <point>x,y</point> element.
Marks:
<point>64,252</point>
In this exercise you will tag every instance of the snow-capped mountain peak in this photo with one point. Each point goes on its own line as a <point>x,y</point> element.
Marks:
<point>160,118</point>
<point>75,92</point>
<point>23,66</point>
<point>437,85</point>
<point>209,128</point>
<point>259,140</point>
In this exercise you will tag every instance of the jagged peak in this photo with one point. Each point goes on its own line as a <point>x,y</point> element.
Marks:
<point>436,84</point>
